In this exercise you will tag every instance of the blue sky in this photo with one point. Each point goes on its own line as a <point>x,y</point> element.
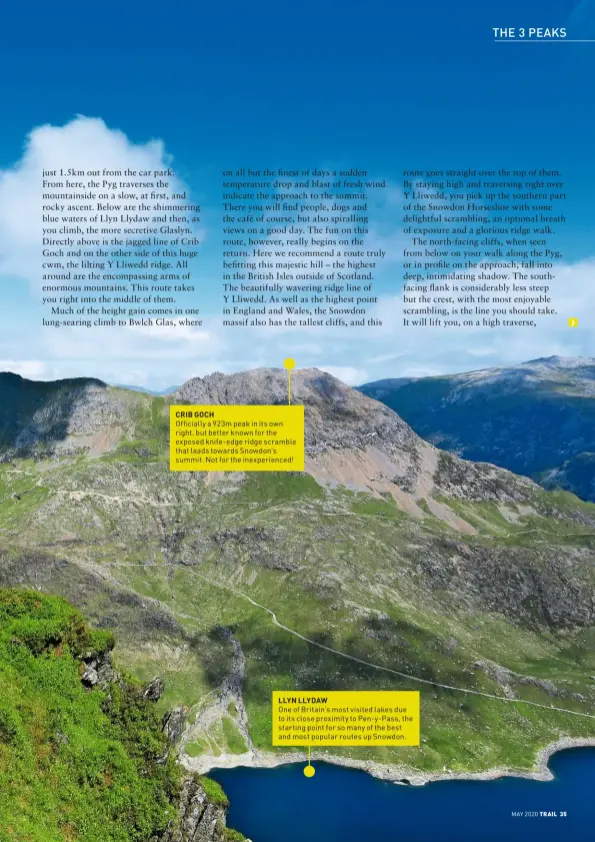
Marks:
<point>379,85</point>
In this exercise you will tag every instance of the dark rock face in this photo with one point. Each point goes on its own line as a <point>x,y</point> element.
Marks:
<point>174,723</point>
<point>106,675</point>
<point>553,589</point>
<point>199,820</point>
<point>154,690</point>
<point>37,417</point>
<point>99,672</point>
<point>90,677</point>
<point>263,546</point>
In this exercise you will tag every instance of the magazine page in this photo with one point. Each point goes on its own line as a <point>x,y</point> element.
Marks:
<point>297,422</point>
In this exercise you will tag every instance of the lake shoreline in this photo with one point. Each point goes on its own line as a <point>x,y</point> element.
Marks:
<point>387,772</point>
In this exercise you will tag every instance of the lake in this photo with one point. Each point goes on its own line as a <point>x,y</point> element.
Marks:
<point>345,805</point>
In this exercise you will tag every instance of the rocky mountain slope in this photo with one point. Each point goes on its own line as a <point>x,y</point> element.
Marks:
<point>386,564</point>
<point>536,419</point>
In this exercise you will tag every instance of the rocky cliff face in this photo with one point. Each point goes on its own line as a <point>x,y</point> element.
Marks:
<point>41,419</point>
<point>350,439</point>
<point>336,416</point>
<point>199,818</point>
<point>358,442</point>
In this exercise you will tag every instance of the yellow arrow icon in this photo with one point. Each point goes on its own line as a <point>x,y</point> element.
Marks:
<point>573,321</point>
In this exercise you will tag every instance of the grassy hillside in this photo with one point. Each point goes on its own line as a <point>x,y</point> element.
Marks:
<point>172,567</point>
<point>75,763</point>
<point>493,622</point>
<point>81,763</point>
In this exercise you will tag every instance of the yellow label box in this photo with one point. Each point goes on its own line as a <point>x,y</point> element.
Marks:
<point>236,438</point>
<point>346,718</point>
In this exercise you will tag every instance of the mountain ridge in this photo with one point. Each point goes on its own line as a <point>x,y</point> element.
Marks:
<point>350,439</point>
<point>385,551</point>
<point>535,419</point>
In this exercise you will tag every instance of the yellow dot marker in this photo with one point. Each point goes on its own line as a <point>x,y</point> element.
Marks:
<point>573,321</point>
<point>309,770</point>
<point>289,363</point>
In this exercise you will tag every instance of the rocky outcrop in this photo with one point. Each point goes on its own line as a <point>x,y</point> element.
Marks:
<point>42,418</point>
<point>154,689</point>
<point>350,439</point>
<point>353,440</point>
<point>337,416</point>
<point>508,680</point>
<point>97,670</point>
<point>174,723</point>
<point>553,588</point>
<point>200,819</point>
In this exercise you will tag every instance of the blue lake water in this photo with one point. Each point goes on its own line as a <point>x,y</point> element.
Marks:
<point>344,805</point>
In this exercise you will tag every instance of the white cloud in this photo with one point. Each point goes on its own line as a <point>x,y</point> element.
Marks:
<point>349,375</point>
<point>31,369</point>
<point>86,144</point>
<point>82,144</point>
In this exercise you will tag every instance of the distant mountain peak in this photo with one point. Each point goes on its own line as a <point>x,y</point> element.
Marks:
<point>536,418</point>
<point>336,414</point>
<point>556,361</point>
<point>11,378</point>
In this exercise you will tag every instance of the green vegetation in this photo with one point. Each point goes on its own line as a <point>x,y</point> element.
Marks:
<point>233,835</point>
<point>78,764</point>
<point>196,748</point>
<point>214,791</point>
<point>279,488</point>
<point>151,429</point>
<point>345,569</point>
<point>75,764</point>
<point>235,742</point>
<point>188,570</point>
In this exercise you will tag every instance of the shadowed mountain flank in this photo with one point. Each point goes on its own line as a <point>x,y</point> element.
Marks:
<point>37,417</point>
<point>536,419</point>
